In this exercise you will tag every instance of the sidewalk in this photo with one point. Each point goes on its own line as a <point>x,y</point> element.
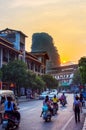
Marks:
<point>24,99</point>
<point>84,112</point>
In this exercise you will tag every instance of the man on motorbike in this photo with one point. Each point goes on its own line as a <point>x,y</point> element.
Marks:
<point>47,104</point>
<point>55,99</point>
<point>55,102</point>
<point>63,98</point>
<point>8,105</point>
<point>10,108</point>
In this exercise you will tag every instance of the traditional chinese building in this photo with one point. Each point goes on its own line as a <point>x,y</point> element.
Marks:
<point>12,47</point>
<point>64,74</point>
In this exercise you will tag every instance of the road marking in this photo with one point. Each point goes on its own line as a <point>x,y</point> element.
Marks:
<point>26,108</point>
<point>67,123</point>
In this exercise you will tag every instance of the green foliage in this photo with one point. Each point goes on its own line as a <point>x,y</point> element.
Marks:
<point>82,68</point>
<point>50,81</point>
<point>18,73</point>
<point>44,42</point>
<point>77,78</point>
<point>15,72</point>
<point>34,81</point>
<point>40,84</point>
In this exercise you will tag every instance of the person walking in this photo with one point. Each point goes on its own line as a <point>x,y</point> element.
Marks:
<point>76,108</point>
<point>81,100</point>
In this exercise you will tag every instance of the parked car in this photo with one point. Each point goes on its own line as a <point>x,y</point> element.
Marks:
<point>43,95</point>
<point>63,91</point>
<point>51,95</point>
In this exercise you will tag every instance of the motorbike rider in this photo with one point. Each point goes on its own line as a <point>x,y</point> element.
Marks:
<point>47,103</point>
<point>55,101</point>
<point>10,108</point>
<point>8,105</point>
<point>63,97</point>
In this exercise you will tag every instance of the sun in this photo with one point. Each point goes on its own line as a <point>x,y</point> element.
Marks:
<point>64,61</point>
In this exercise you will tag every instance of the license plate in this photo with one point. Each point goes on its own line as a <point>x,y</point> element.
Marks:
<point>5,122</point>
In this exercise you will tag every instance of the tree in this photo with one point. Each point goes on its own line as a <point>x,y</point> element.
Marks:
<point>51,82</point>
<point>44,42</point>
<point>34,81</point>
<point>15,72</point>
<point>40,84</point>
<point>82,68</point>
<point>77,78</point>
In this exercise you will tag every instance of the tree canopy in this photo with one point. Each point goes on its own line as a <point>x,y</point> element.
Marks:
<point>44,42</point>
<point>17,72</point>
<point>77,78</point>
<point>51,83</point>
<point>34,81</point>
<point>82,68</point>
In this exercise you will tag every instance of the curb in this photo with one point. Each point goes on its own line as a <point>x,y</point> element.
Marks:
<point>84,126</point>
<point>26,100</point>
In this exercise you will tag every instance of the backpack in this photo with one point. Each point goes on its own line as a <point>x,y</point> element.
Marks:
<point>77,106</point>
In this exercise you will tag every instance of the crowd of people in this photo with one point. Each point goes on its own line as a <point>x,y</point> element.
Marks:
<point>49,104</point>
<point>77,104</point>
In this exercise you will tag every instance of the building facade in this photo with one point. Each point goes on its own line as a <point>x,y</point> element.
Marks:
<point>12,47</point>
<point>64,74</point>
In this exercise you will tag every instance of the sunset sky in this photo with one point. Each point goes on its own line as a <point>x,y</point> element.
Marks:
<point>64,20</point>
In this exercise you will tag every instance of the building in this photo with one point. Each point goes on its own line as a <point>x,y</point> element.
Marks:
<point>12,47</point>
<point>36,64</point>
<point>42,57</point>
<point>64,74</point>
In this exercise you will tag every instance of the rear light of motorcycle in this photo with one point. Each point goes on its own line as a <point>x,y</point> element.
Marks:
<point>6,116</point>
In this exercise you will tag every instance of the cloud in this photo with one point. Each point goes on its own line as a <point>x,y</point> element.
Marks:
<point>30,3</point>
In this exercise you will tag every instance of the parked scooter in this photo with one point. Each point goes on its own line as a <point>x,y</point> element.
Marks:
<point>10,121</point>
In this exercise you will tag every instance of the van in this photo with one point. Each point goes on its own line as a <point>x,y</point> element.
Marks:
<point>3,96</point>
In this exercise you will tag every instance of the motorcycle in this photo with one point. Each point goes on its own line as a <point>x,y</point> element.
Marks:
<point>55,108</point>
<point>10,121</point>
<point>63,102</point>
<point>47,115</point>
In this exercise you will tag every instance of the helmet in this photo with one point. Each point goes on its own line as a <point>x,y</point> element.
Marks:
<point>54,96</point>
<point>47,96</point>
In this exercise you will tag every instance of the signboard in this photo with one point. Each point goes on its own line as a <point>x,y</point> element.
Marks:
<point>64,84</point>
<point>0,85</point>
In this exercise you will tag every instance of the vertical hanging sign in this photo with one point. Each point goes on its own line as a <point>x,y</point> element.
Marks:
<point>0,85</point>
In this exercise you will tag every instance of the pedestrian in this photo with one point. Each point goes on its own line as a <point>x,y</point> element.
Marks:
<point>76,108</point>
<point>75,95</point>
<point>81,100</point>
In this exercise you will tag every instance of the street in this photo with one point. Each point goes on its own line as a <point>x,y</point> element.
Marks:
<point>64,120</point>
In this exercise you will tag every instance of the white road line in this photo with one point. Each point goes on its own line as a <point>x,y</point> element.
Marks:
<point>67,123</point>
<point>26,108</point>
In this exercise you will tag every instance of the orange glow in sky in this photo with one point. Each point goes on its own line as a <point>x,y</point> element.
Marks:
<point>64,20</point>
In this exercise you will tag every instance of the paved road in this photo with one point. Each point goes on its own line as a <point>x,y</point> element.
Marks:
<point>64,120</point>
